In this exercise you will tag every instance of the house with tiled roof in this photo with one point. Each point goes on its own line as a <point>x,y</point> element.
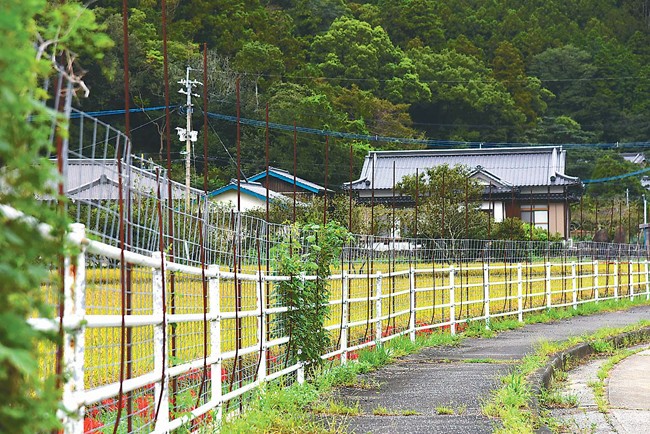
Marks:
<point>525,182</point>
<point>251,195</point>
<point>253,190</point>
<point>634,157</point>
<point>96,180</point>
<point>282,181</point>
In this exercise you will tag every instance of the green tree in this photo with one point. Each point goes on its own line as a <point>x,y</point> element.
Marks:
<point>558,129</point>
<point>467,102</point>
<point>378,116</point>
<point>315,16</point>
<point>527,92</point>
<point>407,20</point>
<point>568,72</point>
<point>613,165</point>
<point>448,196</point>
<point>354,52</point>
<point>262,61</point>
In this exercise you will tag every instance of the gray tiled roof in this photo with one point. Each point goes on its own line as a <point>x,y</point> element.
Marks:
<point>529,166</point>
<point>633,157</point>
<point>98,179</point>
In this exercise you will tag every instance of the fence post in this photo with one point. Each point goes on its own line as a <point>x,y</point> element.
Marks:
<point>574,285</point>
<point>486,294</point>
<point>74,282</point>
<point>452,300</point>
<point>631,282</point>
<point>616,282</point>
<point>300,373</point>
<point>520,293</point>
<point>646,271</point>
<point>345,297</point>
<point>596,280</point>
<point>214,294</point>
<point>261,325</point>
<point>159,349</point>
<point>547,283</point>
<point>378,327</point>
<point>412,302</point>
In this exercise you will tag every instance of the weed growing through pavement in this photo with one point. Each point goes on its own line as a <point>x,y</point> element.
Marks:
<point>510,403</point>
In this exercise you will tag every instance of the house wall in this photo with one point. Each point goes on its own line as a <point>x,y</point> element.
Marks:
<point>247,202</point>
<point>556,218</point>
<point>279,185</point>
<point>498,210</point>
<point>285,188</point>
<point>556,214</point>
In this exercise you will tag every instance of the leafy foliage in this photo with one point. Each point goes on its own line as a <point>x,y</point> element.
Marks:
<point>309,250</point>
<point>559,71</point>
<point>35,33</point>
<point>449,192</point>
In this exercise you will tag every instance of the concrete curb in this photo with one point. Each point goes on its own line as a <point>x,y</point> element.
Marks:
<point>541,379</point>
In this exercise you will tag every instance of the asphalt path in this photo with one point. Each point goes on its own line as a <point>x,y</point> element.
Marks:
<point>441,389</point>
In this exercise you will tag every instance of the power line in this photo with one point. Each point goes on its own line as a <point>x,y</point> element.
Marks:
<point>616,178</point>
<point>117,112</point>
<point>486,80</point>
<point>375,138</point>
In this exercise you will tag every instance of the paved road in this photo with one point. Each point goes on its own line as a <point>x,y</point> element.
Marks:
<point>628,396</point>
<point>459,378</point>
<point>628,392</point>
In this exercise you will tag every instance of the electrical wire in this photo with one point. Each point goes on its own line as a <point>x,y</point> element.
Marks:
<point>616,178</point>
<point>377,138</point>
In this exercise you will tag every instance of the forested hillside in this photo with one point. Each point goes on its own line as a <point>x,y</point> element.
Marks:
<point>516,71</point>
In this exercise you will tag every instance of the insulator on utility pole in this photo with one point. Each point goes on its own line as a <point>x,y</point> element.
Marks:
<point>186,134</point>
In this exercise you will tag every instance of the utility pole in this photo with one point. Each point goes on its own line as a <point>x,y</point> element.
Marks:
<point>186,134</point>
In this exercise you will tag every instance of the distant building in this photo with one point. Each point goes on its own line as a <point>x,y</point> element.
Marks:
<point>252,195</point>
<point>525,182</point>
<point>98,180</point>
<point>282,181</point>
<point>253,190</point>
<point>634,157</point>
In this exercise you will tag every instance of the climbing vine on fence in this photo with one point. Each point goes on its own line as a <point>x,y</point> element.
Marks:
<point>36,34</point>
<point>308,250</point>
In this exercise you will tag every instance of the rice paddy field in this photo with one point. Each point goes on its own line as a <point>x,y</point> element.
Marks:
<point>184,295</point>
<point>415,293</point>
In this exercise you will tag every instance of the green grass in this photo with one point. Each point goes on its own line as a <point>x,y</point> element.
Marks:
<point>451,409</point>
<point>598,386</point>
<point>555,399</point>
<point>334,407</point>
<point>444,410</point>
<point>511,403</point>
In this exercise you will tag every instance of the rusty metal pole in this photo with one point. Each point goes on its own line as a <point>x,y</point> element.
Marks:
<point>295,168</point>
<point>127,132</point>
<point>350,192</point>
<point>442,196</point>
<point>327,147</point>
<point>170,197</point>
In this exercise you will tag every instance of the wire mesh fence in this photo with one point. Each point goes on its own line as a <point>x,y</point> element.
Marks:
<point>175,311</point>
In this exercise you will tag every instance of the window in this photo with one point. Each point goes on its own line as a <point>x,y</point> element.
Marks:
<point>535,214</point>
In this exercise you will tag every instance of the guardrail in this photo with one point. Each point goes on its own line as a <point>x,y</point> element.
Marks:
<point>227,345</point>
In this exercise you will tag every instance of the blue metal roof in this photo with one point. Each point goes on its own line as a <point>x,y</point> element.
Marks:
<point>288,177</point>
<point>254,189</point>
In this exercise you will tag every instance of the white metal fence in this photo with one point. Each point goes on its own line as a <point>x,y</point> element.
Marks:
<point>225,348</point>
